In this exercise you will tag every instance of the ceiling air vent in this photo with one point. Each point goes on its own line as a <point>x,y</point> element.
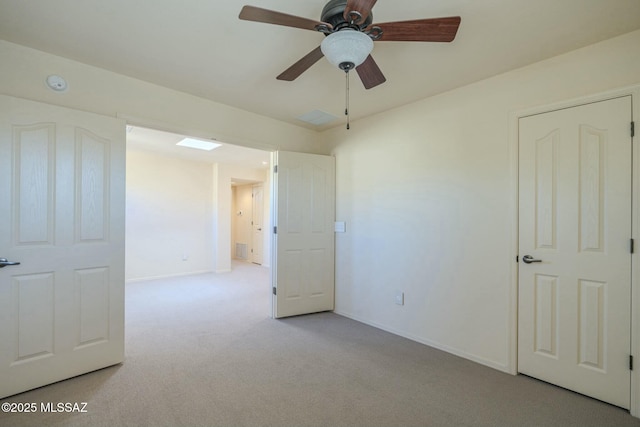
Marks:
<point>317,118</point>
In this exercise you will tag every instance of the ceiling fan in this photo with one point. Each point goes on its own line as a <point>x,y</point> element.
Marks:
<point>347,25</point>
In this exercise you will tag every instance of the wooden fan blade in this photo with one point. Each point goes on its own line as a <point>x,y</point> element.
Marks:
<point>362,6</point>
<point>293,72</point>
<point>370,73</point>
<point>421,30</point>
<point>257,14</point>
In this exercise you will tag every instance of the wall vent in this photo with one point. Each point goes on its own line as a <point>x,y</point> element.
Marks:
<point>241,251</point>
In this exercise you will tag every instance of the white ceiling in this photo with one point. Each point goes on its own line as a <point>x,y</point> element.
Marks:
<point>201,47</point>
<point>139,138</point>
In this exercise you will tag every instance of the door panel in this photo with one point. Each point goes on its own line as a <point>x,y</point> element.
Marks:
<point>304,197</point>
<point>575,216</point>
<point>62,193</point>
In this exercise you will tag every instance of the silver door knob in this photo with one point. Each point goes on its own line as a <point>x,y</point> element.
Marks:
<point>528,259</point>
<point>5,262</point>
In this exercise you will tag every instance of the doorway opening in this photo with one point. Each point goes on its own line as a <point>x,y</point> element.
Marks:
<point>248,220</point>
<point>180,204</point>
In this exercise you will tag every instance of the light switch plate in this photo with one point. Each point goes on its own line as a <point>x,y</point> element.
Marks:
<point>399,297</point>
<point>340,227</point>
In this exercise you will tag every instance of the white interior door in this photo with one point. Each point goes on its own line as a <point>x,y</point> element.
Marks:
<point>62,182</point>
<point>257,224</point>
<point>575,217</point>
<point>304,202</point>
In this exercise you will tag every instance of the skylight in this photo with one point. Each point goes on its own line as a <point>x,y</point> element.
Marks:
<point>198,144</point>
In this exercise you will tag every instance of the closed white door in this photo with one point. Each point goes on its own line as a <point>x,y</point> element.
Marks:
<point>257,226</point>
<point>62,182</point>
<point>575,259</point>
<point>304,200</point>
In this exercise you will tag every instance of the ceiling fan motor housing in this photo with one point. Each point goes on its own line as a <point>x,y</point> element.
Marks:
<point>333,13</point>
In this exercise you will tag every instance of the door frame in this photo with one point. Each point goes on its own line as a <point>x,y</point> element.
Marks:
<point>253,216</point>
<point>176,128</point>
<point>513,148</point>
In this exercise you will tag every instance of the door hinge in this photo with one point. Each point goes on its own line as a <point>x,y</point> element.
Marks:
<point>275,169</point>
<point>517,258</point>
<point>274,290</point>
<point>630,362</point>
<point>633,129</point>
<point>275,229</point>
<point>631,245</point>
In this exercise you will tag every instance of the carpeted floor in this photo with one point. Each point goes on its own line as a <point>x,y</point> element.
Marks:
<point>202,351</point>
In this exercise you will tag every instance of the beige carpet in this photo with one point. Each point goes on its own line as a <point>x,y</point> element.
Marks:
<point>202,351</point>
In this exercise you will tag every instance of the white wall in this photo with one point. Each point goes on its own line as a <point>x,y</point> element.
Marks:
<point>169,214</point>
<point>175,208</point>
<point>23,72</point>
<point>428,194</point>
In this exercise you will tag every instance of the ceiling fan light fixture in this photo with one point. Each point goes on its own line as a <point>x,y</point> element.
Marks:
<point>346,49</point>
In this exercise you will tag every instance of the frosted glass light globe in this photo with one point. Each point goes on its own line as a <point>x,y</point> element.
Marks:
<point>346,49</point>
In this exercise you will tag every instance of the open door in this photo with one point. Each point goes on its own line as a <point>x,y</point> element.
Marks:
<point>62,195</point>
<point>303,239</point>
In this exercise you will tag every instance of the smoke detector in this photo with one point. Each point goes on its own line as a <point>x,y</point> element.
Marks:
<point>57,83</point>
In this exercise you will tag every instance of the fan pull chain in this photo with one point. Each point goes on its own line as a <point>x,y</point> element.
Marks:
<point>346,110</point>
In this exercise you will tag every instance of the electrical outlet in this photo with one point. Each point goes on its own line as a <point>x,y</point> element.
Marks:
<point>185,257</point>
<point>400,298</point>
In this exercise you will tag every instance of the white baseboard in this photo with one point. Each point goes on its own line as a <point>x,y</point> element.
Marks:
<point>439,346</point>
<point>165,276</point>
